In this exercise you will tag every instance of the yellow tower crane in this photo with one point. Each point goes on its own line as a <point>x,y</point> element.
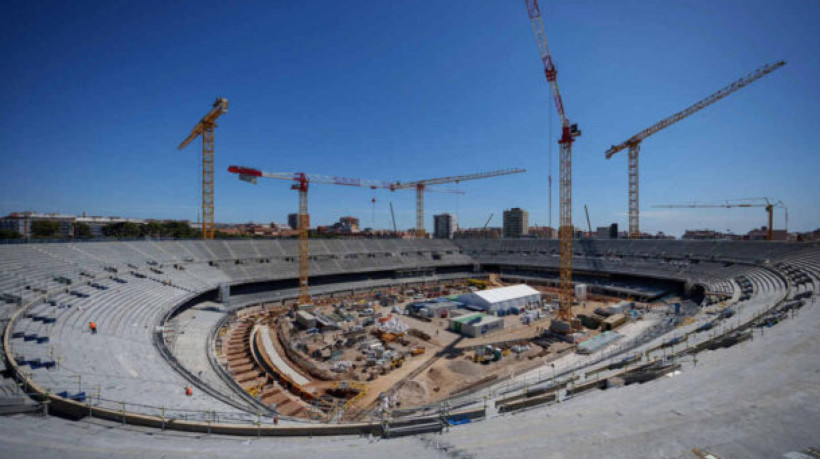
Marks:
<point>205,128</point>
<point>768,206</point>
<point>634,143</point>
<point>421,188</point>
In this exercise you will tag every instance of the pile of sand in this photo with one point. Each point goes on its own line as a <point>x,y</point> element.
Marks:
<point>465,367</point>
<point>436,376</point>
<point>412,393</point>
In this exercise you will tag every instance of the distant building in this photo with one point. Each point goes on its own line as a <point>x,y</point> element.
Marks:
<point>704,234</point>
<point>293,221</point>
<point>543,232</point>
<point>607,232</point>
<point>807,236</point>
<point>444,226</point>
<point>701,234</point>
<point>21,223</point>
<point>516,222</point>
<point>347,225</point>
<point>762,234</point>
<point>477,233</point>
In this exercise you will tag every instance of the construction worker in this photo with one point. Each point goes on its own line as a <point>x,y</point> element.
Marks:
<point>276,419</point>
<point>93,327</point>
<point>188,391</point>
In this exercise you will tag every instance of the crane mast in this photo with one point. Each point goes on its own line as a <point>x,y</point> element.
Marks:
<point>393,217</point>
<point>634,143</point>
<point>205,129</point>
<point>568,134</point>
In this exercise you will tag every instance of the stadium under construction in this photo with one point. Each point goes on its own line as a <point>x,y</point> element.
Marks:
<point>564,346</point>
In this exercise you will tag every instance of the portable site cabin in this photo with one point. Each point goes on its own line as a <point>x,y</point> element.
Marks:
<point>501,299</point>
<point>306,319</point>
<point>476,324</point>
<point>612,322</point>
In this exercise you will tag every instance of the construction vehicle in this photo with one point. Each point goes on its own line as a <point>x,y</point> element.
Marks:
<point>569,131</point>
<point>478,283</point>
<point>769,206</point>
<point>388,337</point>
<point>205,128</point>
<point>634,143</point>
<point>417,351</point>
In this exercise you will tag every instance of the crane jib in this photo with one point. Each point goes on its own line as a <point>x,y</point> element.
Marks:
<point>696,107</point>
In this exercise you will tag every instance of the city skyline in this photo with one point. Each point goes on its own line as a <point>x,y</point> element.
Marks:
<point>425,90</point>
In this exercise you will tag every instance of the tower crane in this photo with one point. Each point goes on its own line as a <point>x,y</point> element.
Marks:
<point>393,217</point>
<point>205,128</point>
<point>768,205</point>
<point>488,220</point>
<point>634,143</point>
<point>300,182</point>
<point>569,132</point>
<point>421,187</point>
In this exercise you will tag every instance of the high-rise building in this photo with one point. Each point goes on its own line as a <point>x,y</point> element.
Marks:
<point>607,232</point>
<point>444,226</point>
<point>293,221</point>
<point>516,222</point>
<point>347,225</point>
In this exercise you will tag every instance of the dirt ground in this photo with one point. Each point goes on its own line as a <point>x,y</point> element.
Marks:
<point>455,372</point>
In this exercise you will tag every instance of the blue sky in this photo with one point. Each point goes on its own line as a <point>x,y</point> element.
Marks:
<point>97,96</point>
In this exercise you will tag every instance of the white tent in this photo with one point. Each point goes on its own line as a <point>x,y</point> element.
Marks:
<point>503,298</point>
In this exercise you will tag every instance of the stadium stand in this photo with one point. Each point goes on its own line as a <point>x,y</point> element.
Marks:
<point>129,288</point>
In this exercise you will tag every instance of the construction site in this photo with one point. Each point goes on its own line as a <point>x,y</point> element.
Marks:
<point>558,340</point>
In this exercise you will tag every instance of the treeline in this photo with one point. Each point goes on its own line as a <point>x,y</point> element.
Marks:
<point>171,230</point>
<point>45,229</point>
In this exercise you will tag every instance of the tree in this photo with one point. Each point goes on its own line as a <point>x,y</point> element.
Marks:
<point>178,230</point>
<point>44,229</point>
<point>152,229</point>
<point>82,231</point>
<point>9,234</point>
<point>122,230</point>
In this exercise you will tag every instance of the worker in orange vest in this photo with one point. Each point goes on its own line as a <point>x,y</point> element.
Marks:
<point>93,327</point>
<point>188,391</point>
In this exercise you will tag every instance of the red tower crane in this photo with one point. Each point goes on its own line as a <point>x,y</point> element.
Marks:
<point>569,132</point>
<point>301,183</point>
